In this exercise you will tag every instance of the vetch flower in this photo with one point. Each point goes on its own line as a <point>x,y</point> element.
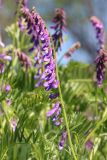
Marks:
<point>9,102</point>
<point>89,144</point>
<point>63,139</point>
<point>53,110</point>
<point>41,41</point>
<point>100,66</point>
<point>76,46</point>
<point>60,23</point>
<point>53,95</point>
<point>13,124</point>
<point>58,122</point>
<point>24,59</point>
<point>3,56</point>
<point>98,25</point>
<point>101,53</point>
<point>44,59</point>
<point>7,88</point>
<point>55,114</point>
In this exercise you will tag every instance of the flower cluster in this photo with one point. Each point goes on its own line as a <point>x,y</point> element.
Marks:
<point>45,59</point>
<point>63,139</point>
<point>41,41</point>
<point>100,65</point>
<point>72,49</point>
<point>97,24</point>
<point>60,23</point>
<point>55,114</point>
<point>101,57</point>
<point>24,59</point>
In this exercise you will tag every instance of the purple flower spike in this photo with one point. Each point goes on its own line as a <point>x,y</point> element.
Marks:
<point>44,59</point>
<point>62,141</point>
<point>60,23</point>
<point>24,59</point>
<point>101,53</point>
<point>100,65</point>
<point>40,33</point>
<point>98,25</point>
<point>75,46</point>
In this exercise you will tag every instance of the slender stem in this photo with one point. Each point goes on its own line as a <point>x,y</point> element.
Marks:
<point>80,80</point>
<point>64,113</point>
<point>96,99</point>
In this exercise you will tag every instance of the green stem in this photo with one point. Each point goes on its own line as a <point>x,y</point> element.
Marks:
<point>96,99</point>
<point>65,115</point>
<point>80,80</point>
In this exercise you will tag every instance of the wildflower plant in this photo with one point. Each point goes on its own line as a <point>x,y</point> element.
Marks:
<point>47,110</point>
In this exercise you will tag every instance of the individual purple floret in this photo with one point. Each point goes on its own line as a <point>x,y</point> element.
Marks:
<point>13,124</point>
<point>9,102</point>
<point>3,56</point>
<point>98,25</point>
<point>55,114</point>
<point>60,23</point>
<point>7,88</point>
<point>53,95</point>
<point>89,144</point>
<point>53,110</point>
<point>63,139</point>
<point>59,122</point>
